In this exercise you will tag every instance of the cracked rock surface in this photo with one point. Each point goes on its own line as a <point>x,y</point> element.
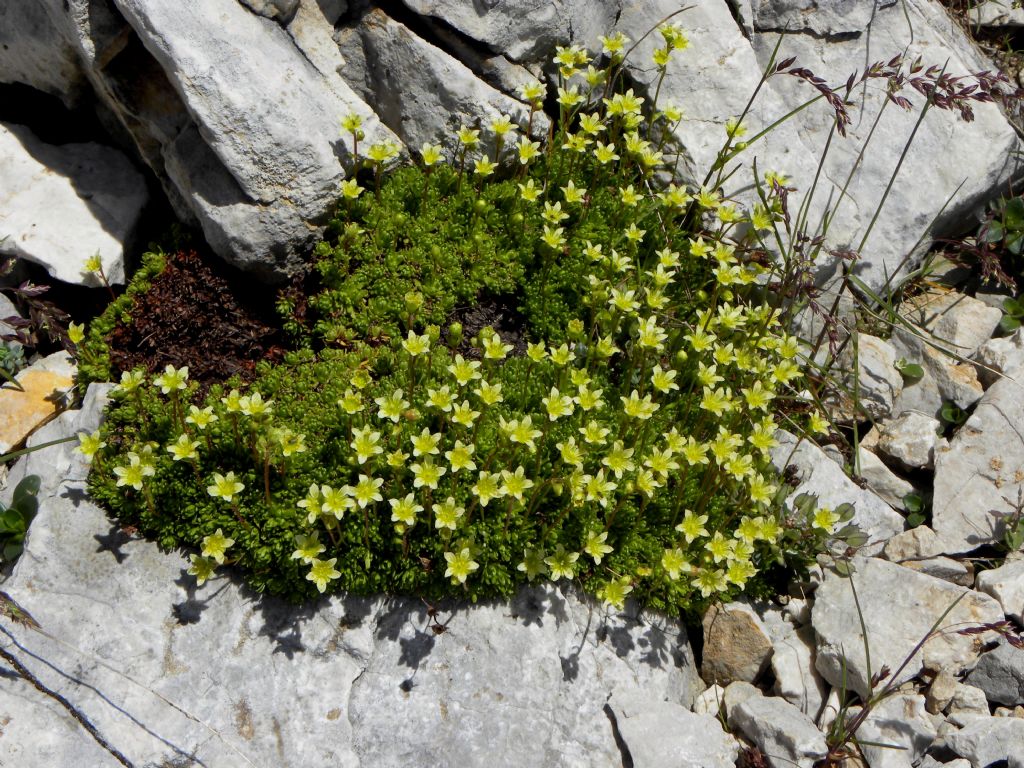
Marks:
<point>166,673</point>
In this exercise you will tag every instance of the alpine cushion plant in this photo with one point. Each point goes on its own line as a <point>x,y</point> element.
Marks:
<point>624,447</point>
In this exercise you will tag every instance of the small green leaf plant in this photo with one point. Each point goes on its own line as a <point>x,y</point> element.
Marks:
<point>1006,227</point>
<point>915,505</point>
<point>910,372</point>
<point>619,439</point>
<point>16,518</point>
<point>1013,314</point>
<point>952,415</point>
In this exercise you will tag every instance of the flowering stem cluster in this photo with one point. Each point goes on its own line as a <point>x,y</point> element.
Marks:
<point>621,438</point>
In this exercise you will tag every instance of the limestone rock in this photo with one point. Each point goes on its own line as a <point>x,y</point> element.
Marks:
<point>419,91</point>
<point>39,731</point>
<point>665,735</point>
<point>796,679</point>
<point>224,676</point>
<point>780,730</point>
<point>1001,357</point>
<point>944,568</point>
<point>734,695</point>
<point>901,721</point>
<point>952,321</point>
<point>991,741</point>
<point>910,439</point>
<point>940,692</point>
<point>312,30</point>
<point>797,611</point>
<point>996,13</point>
<point>1006,584</point>
<point>978,478</point>
<point>710,702</point>
<point>957,382</point>
<point>33,51</point>
<point>878,381</point>
<point>889,486</point>
<point>923,395</point>
<point>527,30</point>
<point>260,155</point>
<point>915,544</point>
<point>281,11</point>
<point>736,644</point>
<point>948,328</point>
<point>821,476</point>
<point>45,384</point>
<point>860,33</point>
<point>1000,674</point>
<point>899,607</point>
<point>62,204</point>
<point>968,704</point>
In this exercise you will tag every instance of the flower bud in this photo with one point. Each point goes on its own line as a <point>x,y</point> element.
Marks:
<point>413,302</point>
<point>454,335</point>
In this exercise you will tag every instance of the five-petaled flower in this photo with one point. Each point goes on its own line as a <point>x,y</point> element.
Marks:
<point>172,379</point>
<point>321,572</point>
<point>216,545</point>
<point>460,565</point>
<point>225,487</point>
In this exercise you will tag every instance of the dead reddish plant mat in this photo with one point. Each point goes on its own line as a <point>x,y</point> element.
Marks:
<point>202,314</point>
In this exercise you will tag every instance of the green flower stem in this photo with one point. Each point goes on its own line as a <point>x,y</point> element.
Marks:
<point>609,519</point>
<point>236,510</point>
<point>462,167</point>
<point>142,412</point>
<point>508,514</point>
<point>540,444</point>
<point>331,525</point>
<point>538,492</point>
<point>412,381</point>
<point>427,171</point>
<point>366,527</point>
<point>708,481</point>
<point>555,524</point>
<point>266,477</point>
<point>147,493</point>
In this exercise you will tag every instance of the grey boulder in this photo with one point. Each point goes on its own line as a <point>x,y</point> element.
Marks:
<point>979,476</point>
<point>899,607</point>
<point>990,741</point>
<point>667,735</point>
<point>1000,674</point>
<point>420,92</point>
<point>781,731</point>
<point>62,204</point>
